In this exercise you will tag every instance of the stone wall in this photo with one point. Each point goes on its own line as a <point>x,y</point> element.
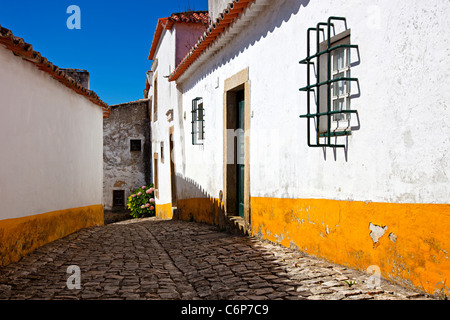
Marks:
<point>124,169</point>
<point>81,76</point>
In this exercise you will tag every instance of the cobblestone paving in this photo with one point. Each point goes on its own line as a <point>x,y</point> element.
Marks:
<point>165,259</point>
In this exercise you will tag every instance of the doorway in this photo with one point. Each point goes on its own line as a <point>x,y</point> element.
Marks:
<point>240,152</point>
<point>118,199</point>
<point>173,178</point>
<point>236,147</point>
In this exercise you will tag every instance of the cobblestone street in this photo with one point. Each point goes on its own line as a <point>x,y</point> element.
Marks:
<point>167,259</point>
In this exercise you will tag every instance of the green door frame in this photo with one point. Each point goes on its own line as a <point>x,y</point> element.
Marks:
<point>237,83</point>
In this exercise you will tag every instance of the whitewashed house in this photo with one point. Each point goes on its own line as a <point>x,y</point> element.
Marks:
<point>323,124</point>
<point>174,37</point>
<point>51,163</point>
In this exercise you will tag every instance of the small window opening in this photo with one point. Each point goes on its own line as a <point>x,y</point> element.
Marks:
<point>135,145</point>
<point>118,198</point>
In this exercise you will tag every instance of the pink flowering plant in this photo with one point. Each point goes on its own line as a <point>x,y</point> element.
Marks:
<point>142,202</point>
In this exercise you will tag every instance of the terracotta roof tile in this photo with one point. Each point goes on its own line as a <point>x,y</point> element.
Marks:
<point>190,17</point>
<point>25,50</point>
<point>182,17</point>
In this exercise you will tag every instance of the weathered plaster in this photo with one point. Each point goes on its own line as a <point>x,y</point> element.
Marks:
<point>124,169</point>
<point>21,236</point>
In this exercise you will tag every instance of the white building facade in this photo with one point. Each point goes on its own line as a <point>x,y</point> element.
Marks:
<point>365,183</point>
<point>174,36</point>
<point>51,170</point>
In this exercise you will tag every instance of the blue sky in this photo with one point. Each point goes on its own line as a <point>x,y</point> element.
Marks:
<point>112,44</point>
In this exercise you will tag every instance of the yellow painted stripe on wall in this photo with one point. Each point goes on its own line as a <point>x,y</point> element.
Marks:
<point>207,210</point>
<point>164,211</point>
<point>409,242</point>
<point>21,236</point>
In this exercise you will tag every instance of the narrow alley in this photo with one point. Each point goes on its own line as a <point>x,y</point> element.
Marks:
<point>154,259</point>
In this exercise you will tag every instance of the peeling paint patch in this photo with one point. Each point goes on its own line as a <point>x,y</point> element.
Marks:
<point>376,233</point>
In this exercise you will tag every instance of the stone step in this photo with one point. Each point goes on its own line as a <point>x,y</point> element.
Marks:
<point>237,224</point>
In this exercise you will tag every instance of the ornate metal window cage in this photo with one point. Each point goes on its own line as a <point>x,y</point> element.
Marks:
<point>328,112</point>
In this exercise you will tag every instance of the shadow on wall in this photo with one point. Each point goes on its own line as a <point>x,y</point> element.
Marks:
<point>196,204</point>
<point>267,22</point>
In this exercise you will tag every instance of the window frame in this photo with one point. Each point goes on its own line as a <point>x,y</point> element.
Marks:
<point>133,144</point>
<point>337,72</point>
<point>198,122</point>
<point>339,122</point>
<point>123,198</point>
<point>161,144</point>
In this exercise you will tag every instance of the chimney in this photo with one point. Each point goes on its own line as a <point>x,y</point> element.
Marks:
<point>80,76</point>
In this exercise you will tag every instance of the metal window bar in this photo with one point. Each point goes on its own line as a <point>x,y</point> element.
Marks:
<point>198,121</point>
<point>310,87</point>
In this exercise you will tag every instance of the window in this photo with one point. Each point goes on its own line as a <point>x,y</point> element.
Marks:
<point>341,90</point>
<point>118,198</point>
<point>331,91</point>
<point>198,121</point>
<point>135,146</point>
<point>162,151</point>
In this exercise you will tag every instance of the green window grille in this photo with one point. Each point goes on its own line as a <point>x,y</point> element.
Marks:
<point>333,108</point>
<point>198,121</point>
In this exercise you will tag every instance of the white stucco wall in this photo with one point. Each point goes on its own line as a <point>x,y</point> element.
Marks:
<point>51,143</point>
<point>167,99</point>
<point>400,152</point>
<point>201,167</point>
<point>216,7</point>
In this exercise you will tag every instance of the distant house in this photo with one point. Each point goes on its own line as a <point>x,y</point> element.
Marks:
<point>322,124</point>
<point>51,164</point>
<point>126,153</point>
<point>173,39</point>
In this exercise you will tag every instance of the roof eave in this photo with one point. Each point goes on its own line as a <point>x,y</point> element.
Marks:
<point>226,19</point>
<point>25,51</point>
<point>157,37</point>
